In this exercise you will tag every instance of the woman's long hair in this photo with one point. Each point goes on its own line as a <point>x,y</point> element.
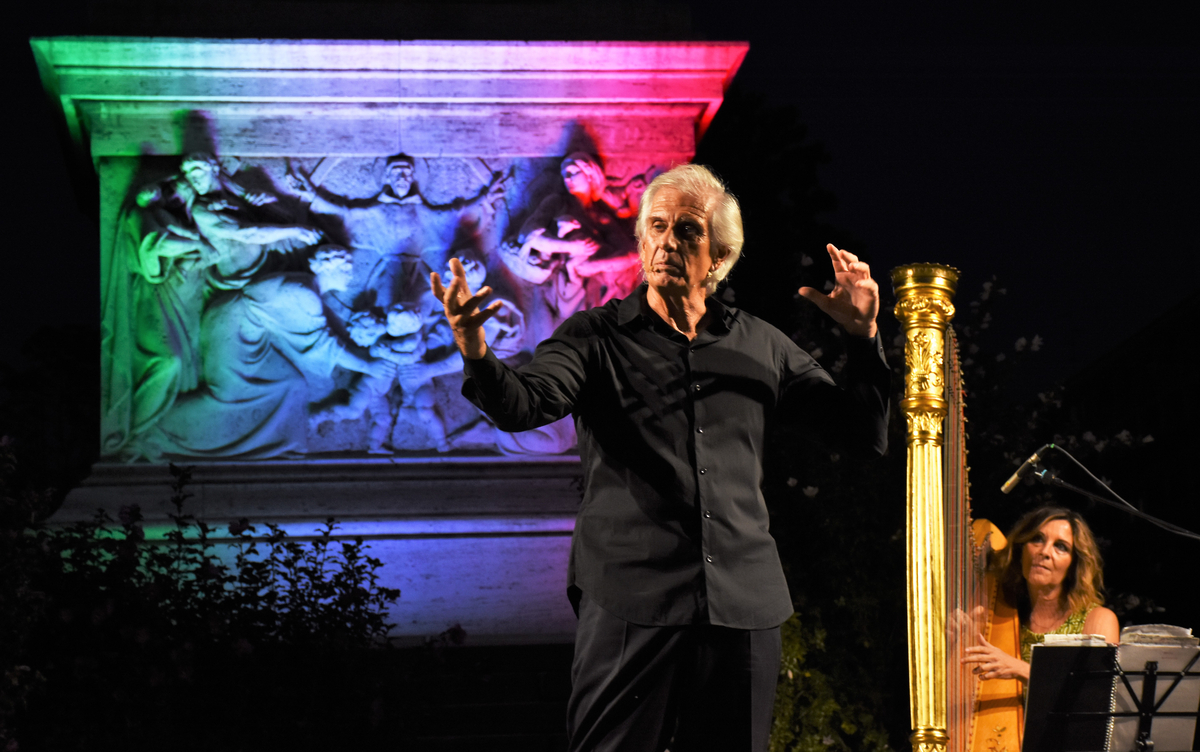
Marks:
<point>1083,585</point>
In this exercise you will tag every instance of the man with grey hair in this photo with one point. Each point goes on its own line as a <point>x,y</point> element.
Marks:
<point>673,573</point>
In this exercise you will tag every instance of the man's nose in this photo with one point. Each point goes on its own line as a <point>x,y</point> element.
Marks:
<point>670,241</point>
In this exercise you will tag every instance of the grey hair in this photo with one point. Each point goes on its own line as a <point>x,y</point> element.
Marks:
<point>725,216</point>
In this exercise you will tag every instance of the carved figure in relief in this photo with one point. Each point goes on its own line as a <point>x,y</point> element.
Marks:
<point>153,300</point>
<point>506,334</point>
<point>581,244</point>
<point>261,346</point>
<point>406,232</point>
<point>221,217</point>
<point>181,238</point>
<point>509,325</point>
<point>418,423</point>
<point>187,243</point>
<point>401,403</point>
<point>370,397</point>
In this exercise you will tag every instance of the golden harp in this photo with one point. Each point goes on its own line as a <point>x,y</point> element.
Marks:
<point>951,598</point>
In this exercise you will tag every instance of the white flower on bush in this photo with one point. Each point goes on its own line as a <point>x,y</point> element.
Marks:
<point>811,491</point>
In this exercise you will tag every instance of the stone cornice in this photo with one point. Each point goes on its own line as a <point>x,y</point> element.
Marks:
<point>122,96</point>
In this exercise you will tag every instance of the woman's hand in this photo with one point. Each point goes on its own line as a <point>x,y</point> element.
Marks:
<point>993,663</point>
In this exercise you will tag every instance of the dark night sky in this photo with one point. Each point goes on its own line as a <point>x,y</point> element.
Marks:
<point>1054,148</point>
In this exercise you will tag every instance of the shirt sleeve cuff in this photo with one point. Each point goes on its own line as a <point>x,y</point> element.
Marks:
<point>484,370</point>
<point>863,348</point>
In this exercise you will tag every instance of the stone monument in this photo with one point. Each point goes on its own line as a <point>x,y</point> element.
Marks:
<point>271,211</point>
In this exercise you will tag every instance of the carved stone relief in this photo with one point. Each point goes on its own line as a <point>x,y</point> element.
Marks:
<point>271,307</point>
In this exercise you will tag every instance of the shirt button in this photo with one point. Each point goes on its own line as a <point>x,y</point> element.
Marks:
<point>696,387</point>
<point>708,559</point>
<point>699,430</point>
<point>707,514</point>
<point>703,471</point>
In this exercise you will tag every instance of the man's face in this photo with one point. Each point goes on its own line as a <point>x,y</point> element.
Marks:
<point>400,178</point>
<point>676,249</point>
<point>202,176</point>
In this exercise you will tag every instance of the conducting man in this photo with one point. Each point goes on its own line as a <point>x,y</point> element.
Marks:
<point>673,573</point>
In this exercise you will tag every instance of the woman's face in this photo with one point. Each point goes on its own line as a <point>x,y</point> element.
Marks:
<point>1047,557</point>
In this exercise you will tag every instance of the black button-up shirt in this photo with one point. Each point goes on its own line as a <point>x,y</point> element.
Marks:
<point>673,528</point>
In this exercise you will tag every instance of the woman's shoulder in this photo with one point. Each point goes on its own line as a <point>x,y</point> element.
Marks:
<point>1102,621</point>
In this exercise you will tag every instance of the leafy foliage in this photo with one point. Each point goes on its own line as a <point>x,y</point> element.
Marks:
<point>97,621</point>
<point>807,709</point>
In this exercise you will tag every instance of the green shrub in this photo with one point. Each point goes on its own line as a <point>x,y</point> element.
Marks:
<point>105,634</point>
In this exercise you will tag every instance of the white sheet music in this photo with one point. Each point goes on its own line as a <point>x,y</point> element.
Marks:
<point>1168,734</point>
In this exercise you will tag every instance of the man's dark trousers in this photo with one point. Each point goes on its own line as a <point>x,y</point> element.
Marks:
<point>687,688</point>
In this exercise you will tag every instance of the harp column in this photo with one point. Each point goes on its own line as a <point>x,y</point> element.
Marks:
<point>924,295</point>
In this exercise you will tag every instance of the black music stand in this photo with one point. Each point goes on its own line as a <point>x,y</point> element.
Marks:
<point>1069,697</point>
<point>1079,697</point>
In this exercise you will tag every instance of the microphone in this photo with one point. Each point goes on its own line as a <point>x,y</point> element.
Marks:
<point>1024,469</point>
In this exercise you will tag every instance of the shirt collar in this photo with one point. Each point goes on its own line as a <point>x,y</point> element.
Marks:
<point>635,306</point>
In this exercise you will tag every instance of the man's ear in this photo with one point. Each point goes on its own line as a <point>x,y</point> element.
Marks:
<point>719,254</point>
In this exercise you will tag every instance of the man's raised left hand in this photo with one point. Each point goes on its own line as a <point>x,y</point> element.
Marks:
<point>854,300</point>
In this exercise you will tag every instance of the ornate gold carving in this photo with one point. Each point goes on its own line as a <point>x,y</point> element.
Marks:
<point>925,423</point>
<point>925,358</point>
<point>924,306</point>
<point>940,307</point>
<point>925,739</point>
